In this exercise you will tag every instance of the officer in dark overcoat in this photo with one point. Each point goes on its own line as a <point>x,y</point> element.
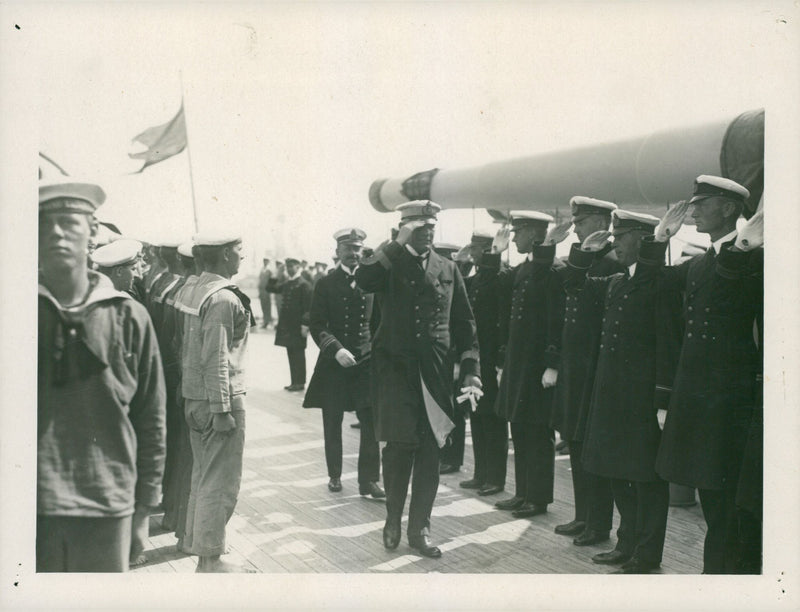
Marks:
<point>711,412</point>
<point>594,502</point>
<point>425,312</point>
<point>339,323</point>
<point>292,329</point>
<point>530,321</point>
<point>489,431</point>
<point>639,345</point>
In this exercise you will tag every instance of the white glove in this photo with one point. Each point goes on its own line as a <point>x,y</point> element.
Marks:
<point>499,374</point>
<point>596,241</point>
<point>751,236</point>
<point>304,331</point>
<point>661,415</point>
<point>558,233</point>
<point>501,239</point>
<point>345,358</point>
<point>549,378</point>
<point>473,394</point>
<point>671,222</point>
<point>404,234</point>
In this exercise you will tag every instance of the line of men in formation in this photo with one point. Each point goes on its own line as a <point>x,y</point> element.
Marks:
<point>595,347</point>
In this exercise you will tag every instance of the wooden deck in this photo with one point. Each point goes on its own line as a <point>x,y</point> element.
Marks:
<point>287,521</point>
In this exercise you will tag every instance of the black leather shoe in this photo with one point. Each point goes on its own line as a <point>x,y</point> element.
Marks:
<point>295,388</point>
<point>529,509</point>
<point>288,387</point>
<point>391,534</point>
<point>472,483</point>
<point>446,468</point>
<point>589,537</point>
<point>373,489</point>
<point>634,566</point>
<point>490,489</point>
<point>512,503</point>
<point>612,557</point>
<point>572,528</point>
<point>422,543</point>
<point>335,485</point>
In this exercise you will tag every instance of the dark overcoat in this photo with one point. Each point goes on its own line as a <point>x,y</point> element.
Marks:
<point>530,320</point>
<point>340,318</point>
<point>711,409</point>
<point>483,293</point>
<point>580,342</point>
<point>424,314</point>
<point>638,351</point>
<point>294,313</point>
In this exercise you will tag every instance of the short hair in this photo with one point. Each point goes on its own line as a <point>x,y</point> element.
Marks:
<point>211,255</point>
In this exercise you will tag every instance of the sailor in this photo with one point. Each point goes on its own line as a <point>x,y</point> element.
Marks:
<point>119,261</point>
<point>101,428</point>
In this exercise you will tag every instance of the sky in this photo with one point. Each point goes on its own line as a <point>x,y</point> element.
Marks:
<point>293,110</point>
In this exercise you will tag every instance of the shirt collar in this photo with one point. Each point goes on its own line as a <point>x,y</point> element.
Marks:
<point>411,250</point>
<point>347,270</point>
<point>294,276</point>
<point>632,269</point>
<point>717,244</point>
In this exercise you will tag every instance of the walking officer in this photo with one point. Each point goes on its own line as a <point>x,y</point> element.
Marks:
<point>425,313</point>
<point>340,325</point>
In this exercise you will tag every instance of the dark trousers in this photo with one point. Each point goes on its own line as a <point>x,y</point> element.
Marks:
<point>534,462</point>
<point>184,480</point>
<point>297,365</point>
<point>732,537</point>
<point>266,309</point>
<point>82,544</point>
<point>368,449</point>
<point>453,452</point>
<point>490,447</point>
<point>594,500</point>
<point>643,506</point>
<point>399,460</point>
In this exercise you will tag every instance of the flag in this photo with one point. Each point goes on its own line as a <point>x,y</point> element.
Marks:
<point>162,141</point>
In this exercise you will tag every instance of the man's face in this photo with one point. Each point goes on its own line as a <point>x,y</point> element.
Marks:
<point>349,254</point>
<point>626,246</point>
<point>709,214</point>
<point>588,225</point>
<point>528,235</point>
<point>235,258</point>
<point>64,238</point>
<point>422,238</point>
<point>292,268</point>
<point>124,275</point>
<point>475,252</point>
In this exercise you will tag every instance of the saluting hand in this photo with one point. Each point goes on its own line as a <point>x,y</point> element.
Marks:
<point>671,222</point>
<point>549,378</point>
<point>557,233</point>
<point>501,239</point>
<point>751,236</point>
<point>345,358</point>
<point>404,235</point>
<point>463,254</point>
<point>596,241</point>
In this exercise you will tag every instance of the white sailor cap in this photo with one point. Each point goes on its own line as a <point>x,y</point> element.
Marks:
<point>582,207</point>
<point>482,237</point>
<point>117,253</point>
<point>67,194</point>
<point>446,249</point>
<point>708,186</point>
<point>419,210</point>
<point>350,235</point>
<point>216,237</point>
<point>525,218</point>
<point>623,221</point>
<point>185,249</point>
